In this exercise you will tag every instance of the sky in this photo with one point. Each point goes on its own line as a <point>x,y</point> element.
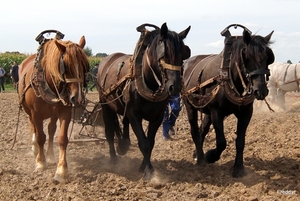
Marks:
<point>110,26</point>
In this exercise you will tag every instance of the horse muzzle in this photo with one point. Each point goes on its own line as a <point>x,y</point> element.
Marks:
<point>261,92</point>
<point>173,89</point>
<point>76,98</point>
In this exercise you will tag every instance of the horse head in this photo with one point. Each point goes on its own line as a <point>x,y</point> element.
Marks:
<point>73,65</point>
<point>253,57</point>
<point>164,56</point>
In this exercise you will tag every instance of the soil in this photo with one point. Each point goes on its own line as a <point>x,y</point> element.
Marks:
<point>271,158</point>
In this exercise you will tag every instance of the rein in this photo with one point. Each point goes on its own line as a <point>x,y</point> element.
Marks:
<point>57,92</point>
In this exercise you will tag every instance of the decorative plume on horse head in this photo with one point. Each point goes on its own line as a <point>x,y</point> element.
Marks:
<point>51,81</point>
<point>227,83</point>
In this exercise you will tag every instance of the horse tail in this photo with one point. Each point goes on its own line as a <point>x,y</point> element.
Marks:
<point>123,137</point>
<point>117,129</point>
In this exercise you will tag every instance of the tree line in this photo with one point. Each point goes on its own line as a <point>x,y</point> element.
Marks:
<point>8,58</point>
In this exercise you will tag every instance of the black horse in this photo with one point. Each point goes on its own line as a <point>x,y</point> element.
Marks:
<point>224,84</point>
<point>138,87</point>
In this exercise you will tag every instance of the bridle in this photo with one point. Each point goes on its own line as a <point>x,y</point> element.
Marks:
<point>62,69</point>
<point>242,69</point>
<point>160,50</point>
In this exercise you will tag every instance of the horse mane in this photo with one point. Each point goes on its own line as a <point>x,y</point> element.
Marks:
<point>73,56</point>
<point>172,43</point>
<point>255,48</point>
<point>173,40</point>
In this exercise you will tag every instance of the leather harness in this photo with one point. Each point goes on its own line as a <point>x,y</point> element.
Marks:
<point>224,79</point>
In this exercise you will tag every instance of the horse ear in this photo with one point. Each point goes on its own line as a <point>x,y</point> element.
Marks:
<point>82,42</point>
<point>268,37</point>
<point>164,31</point>
<point>60,46</point>
<point>184,33</point>
<point>246,37</point>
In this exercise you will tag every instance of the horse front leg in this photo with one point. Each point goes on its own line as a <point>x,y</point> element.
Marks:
<point>61,174</point>
<point>145,143</point>
<point>51,131</point>
<point>217,119</point>
<point>146,164</point>
<point>242,124</point>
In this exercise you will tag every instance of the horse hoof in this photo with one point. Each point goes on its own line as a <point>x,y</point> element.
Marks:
<point>210,156</point>
<point>40,167</point>
<point>61,175</point>
<point>201,163</point>
<point>148,174</point>
<point>238,172</point>
<point>195,155</point>
<point>123,146</point>
<point>58,179</point>
<point>113,160</point>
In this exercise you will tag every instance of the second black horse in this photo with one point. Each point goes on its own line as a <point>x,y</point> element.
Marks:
<point>224,84</point>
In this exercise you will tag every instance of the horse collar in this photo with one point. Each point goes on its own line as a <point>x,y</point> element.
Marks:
<point>139,82</point>
<point>226,66</point>
<point>39,83</point>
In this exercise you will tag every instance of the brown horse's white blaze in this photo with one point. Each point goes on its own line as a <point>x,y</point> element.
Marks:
<point>76,96</point>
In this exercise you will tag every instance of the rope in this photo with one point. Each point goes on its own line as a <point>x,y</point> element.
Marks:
<point>154,75</point>
<point>15,137</point>
<point>57,92</point>
<point>269,106</point>
<point>112,100</point>
<point>240,74</point>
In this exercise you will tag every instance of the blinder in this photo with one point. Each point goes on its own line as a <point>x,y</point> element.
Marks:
<point>62,67</point>
<point>261,71</point>
<point>62,70</point>
<point>160,51</point>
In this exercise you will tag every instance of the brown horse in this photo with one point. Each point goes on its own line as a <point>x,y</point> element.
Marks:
<point>50,84</point>
<point>224,84</point>
<point>138,87</point>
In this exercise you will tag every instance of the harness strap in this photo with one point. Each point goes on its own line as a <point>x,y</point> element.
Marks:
<point>154,74</point>
<point>260,71</point>
<point>117,85</point>
<point>203,84</point>
<point>70,80</point>
<point>169,66</point>
<point>240,74</point>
